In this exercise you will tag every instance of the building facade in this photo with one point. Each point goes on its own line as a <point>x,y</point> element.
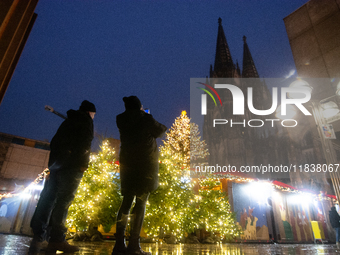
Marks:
<point>314,35</point>
<point>21,161</point>
<point>242,145</point>
<point>16,21</point>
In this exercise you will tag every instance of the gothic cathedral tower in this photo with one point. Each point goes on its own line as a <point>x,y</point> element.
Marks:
<point>238,145</point>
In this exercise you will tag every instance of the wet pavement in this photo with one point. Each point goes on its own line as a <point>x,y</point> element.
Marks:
<point>18,245</point>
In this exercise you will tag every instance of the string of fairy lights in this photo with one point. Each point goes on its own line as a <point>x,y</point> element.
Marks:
<point>97,199</point>
<point>175,208</point>
<point>180,205</point>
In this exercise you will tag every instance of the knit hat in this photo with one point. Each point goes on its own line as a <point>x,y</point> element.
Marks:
<point>132,102</point>
<point>87,106</point>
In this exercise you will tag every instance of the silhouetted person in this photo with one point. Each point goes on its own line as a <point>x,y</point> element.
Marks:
<point>334,219</point>
<point>69,158</point>
<point>138,160</point>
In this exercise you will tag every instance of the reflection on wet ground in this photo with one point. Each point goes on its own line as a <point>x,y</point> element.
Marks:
<point>18,245</point>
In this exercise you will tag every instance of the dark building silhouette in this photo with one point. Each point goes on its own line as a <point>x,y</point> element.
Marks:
<point>233,145</point>
<point>241,145</point>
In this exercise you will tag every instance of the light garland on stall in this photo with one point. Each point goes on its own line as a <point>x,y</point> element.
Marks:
<point>33,185</point>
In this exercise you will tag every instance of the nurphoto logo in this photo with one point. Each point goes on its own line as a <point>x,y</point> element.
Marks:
<point>238,104</point>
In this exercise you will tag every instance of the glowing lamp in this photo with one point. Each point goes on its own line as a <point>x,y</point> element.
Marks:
<point>329,109</point>
<point>290,113</point>
<point>259,191</point>
<point>299,84</point>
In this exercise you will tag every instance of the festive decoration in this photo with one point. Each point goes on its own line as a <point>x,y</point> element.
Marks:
<point>235,177</point>
<point>98,199</point>
<point>169,206</point>
<point>174,208</point>
<point>213,210</point>
<point>180,205</point>
<point>37,184</point>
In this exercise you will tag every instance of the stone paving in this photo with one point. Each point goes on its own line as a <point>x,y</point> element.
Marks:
<point>18,245</point>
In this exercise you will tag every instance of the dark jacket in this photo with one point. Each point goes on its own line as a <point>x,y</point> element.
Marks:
<point>71,145</point>
<point>138,156</point>
<point>334,218</point>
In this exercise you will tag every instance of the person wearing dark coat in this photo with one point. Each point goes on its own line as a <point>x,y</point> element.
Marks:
<point>334,219</point>
<point>69,158</point>
<point>138,161</point>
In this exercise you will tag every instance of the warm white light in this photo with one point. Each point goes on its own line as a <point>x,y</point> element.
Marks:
<point>35,186</point>
<point>302,199</point>
<point>259,191</point>
<point>299,84</point>
<point>276,195</point>
<point>25,195</point>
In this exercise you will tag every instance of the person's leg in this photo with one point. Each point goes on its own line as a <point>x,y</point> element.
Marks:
<point>68,182</point>
<point>122,220</point>
<point>42,213</point>
<point>138,215</point>
<point>123,214</point>
<point>136,225</point>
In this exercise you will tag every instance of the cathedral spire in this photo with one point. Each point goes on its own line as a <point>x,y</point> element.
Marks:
<point>238,69</point>
<point>249,69</point>
<point>224,65</point>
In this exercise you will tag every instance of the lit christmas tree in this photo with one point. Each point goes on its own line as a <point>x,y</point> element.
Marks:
<point>174,208</point>
<point>98,198</point>
<point>183,145</point>
<point>170,206</point>
<point>213,210</point>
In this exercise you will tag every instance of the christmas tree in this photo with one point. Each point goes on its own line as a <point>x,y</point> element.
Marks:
<point>169,209</point>
<point>98,199</point>
<point>175,208</point>
<point>213,210</point>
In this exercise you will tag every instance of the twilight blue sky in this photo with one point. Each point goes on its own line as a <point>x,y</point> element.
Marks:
<point>104,50</point>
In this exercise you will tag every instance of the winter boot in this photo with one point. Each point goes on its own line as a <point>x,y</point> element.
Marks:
<point>64,246</point>
<point>134,248</point>
<point>120,246</point>
<point>37,245</point>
